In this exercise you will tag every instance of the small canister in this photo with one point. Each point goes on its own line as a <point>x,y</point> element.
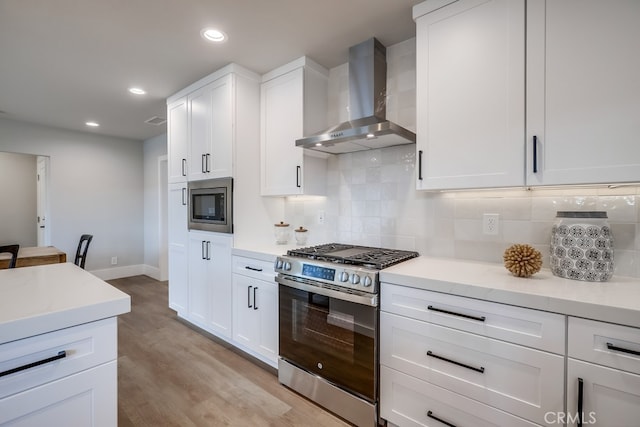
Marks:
<point>301,235</point>
<point>582,246</point>
<point>281,231</point>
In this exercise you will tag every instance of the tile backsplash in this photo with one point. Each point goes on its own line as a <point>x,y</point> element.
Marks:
<point>372,198</point>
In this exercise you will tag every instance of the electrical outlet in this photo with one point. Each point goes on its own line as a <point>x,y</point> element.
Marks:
<point>490,223</point>
<point>320,217</point>
<point>114,260</point>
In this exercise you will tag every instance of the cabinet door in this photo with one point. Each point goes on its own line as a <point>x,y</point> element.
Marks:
<point>88,398</point>
<point>583,91</point>
<point>178,140</point>
<point>470,94</point>
<point>198,288</point>
<point>282,110</point>
<point>610,397</point>
<point>219,277</point>
<point>178,248</point>
<point>245,316</point>
<point>210,138</point>
<point>267,303</point>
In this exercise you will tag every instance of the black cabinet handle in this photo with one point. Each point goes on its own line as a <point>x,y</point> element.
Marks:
<point>255,300</point>
<point>298,170</point>
<point>249,296</point>
<point>208,250</point>
<point>184,196</point>
<point>622,350</point>
<point>202,243</point>
<point>208,163</point>
<point>184,167</point>
<point>535,154</point>
<point>252,268</point>
<point>453,313</point>
<point>420,165</point>
<point>430,415</point>
<point>203,165</point>
<point>473,368</point>
<point>580,400</point>
<point>61,355</point>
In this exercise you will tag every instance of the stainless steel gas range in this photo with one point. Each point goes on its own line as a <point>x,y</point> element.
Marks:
<point>328,325</point>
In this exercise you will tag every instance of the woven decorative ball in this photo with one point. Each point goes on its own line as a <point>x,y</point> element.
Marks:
<point>522,260</point>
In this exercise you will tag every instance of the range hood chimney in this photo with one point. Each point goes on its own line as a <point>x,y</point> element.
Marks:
<point>368,127</point>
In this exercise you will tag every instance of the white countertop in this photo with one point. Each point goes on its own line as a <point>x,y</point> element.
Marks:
<point>616,301</point>
<point>45,298</point>
<point>264,252</point>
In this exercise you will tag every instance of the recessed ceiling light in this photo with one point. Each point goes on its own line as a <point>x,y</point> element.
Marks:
<point>137,91</point>
<point>213,35</point>
<point>92,124</point>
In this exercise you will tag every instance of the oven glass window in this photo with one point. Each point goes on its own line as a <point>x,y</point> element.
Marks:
<point>332,338</point>
<point>208,205</point>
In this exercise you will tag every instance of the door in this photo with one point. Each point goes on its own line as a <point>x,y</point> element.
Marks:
<point>331,338</point>
<point>470,95</point>
<point>583,91</point>
<point>44,235</point>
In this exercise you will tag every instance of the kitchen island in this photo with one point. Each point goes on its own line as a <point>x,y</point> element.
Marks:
<point>58,346</point>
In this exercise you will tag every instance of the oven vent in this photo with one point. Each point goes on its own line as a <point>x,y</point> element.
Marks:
<point>155,120</point>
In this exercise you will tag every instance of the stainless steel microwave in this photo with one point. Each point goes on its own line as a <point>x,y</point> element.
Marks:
<point>211,205</point>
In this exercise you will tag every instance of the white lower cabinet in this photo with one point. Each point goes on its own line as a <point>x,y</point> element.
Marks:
<point>75,386</point>
<point>408,401</point>
<point>209,294</point>
<point>255,308</point>
<point>467,376</point>
<point>603,374</point>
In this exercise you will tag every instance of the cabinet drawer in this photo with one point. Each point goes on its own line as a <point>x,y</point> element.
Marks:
<point>87,398</point>
<point>516,379</point>
<point>407,401</point>
<point>605,344</point>
<point>611,398</point>
<point>258,269</point>
<point>532,328</point>
<point>85,346</point>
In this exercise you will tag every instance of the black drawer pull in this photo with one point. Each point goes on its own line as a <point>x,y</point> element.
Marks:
<point>580,401</point>
<point>252,268</point>
<point>473,368</point>
<point>622,350</point>
<point>255,301</point>
<point>61,355</point>
<point>466,316</point>
<point>430,415</point>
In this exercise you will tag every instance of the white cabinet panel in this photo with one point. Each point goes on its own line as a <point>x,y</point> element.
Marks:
<point>178,235</point>
<point>583,92</point>
<point>178,140</point>
<point>509,377</point>
<point>407,401</point>
<point>470,95</point>
<point>533,328</point>
<point>610,397</point>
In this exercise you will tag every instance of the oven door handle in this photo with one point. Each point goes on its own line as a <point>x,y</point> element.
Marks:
<point>370,300</point>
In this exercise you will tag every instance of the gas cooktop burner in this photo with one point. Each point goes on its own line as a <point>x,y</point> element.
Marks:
<point>364,256</point>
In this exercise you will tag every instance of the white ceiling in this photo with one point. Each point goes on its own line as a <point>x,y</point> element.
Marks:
<point>65,62</point>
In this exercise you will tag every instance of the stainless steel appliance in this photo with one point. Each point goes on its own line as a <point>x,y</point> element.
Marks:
<point>328,325</point>
<point>211,205</point>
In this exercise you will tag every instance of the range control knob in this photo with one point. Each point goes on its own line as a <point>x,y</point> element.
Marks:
<point>278,264</point>
<point>286,266</point>
<point>366,282</point>
<point>355,279</point>
<point>344,276</point>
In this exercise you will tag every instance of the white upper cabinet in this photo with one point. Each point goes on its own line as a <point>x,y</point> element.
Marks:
<point>178,140</point>
<point>470,94</point>
<point>205,121</point>
<point>580,99</point>
<point>293,105</point>
<point>583,91</point>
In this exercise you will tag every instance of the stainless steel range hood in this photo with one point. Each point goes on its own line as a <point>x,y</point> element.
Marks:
<point>368,127</point>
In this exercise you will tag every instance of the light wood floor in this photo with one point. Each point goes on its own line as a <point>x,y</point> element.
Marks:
<point>172,375</point>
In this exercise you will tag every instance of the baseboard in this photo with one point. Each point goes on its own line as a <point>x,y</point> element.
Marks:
<point>119,272</point>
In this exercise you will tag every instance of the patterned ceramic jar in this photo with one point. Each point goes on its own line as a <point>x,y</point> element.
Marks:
<point>582,246</point>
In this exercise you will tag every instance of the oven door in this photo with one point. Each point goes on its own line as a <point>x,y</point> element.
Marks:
<point>330,337</point>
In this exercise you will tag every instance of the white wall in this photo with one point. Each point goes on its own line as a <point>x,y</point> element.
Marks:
<point>18,209</point>
<point>96,184</point>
